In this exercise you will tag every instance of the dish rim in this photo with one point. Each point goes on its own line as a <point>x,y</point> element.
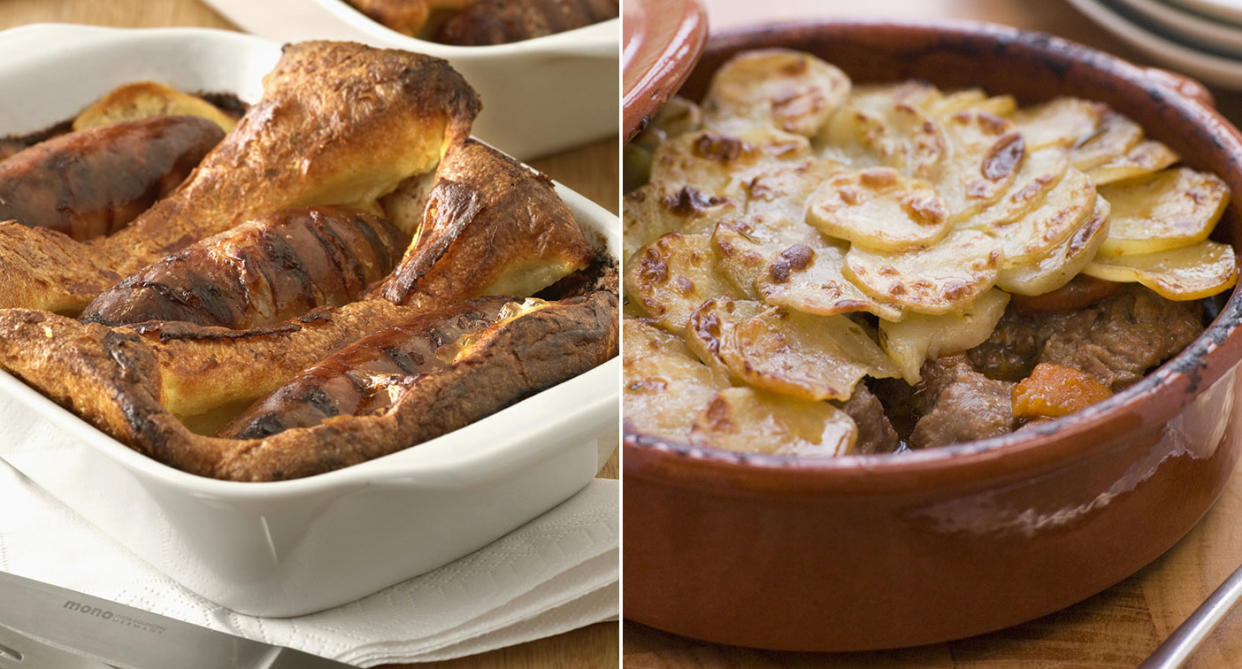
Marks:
<point>678,53</point>
<point>460,464</point>
<point>1189,372</point>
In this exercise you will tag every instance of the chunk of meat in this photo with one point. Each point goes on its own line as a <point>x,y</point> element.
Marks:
<point>875,432</point>
<point>1115,340</point>
<point>958,404</point>
<point>501,21</point>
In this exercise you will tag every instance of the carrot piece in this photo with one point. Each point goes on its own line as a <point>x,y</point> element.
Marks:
<point>1055,390</point>
<point>1082,291</point>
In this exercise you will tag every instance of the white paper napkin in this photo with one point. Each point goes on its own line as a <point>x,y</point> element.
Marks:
<point>554,574</point>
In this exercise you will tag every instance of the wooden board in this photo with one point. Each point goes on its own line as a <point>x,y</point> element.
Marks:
<point>591,170</point>
<point>1113,630</point>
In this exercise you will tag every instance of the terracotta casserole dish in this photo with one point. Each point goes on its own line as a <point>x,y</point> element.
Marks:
<point>876,551</point>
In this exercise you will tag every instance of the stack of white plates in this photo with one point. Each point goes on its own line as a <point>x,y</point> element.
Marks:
<point>1200,38</point>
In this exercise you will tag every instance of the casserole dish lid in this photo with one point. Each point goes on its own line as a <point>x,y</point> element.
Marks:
<point>662,42</point>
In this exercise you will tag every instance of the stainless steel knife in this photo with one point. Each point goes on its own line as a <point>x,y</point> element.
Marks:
<point>129,638</point>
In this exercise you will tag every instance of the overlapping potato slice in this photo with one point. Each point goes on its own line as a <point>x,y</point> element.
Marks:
<point>677,117</point>
<point>1146,157</point>
<point>1164,211</point>
<point>657,209</point>
<point>790,90</point>
<point>672,276</point>
<point>1113,138</point>
<point>886,125</point>
<point>778,191</point>
<point>665,386</point>
<point>971,98</point>
<point>711,160</point>
<point>1065,210</point>
<point>811,278</point>
<point>708,325</point>
<point>940,279</point>
<point>879,209</point>
<point>985,157</point>
<point>920,336</point>
<point>1059,122</point>
<point>750,420</point>
<point>1041,171</point>
<point>1187,273</point>
<point>796,354</point>
<point>1057,268</point>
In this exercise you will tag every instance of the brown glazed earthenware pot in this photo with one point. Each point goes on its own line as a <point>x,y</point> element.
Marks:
<point>880,551</point>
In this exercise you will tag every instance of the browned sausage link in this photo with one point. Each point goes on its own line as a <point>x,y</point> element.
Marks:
<point>359,379</point>
<point>501,21</point>
<point>95,181</point>
<point>260,273</point>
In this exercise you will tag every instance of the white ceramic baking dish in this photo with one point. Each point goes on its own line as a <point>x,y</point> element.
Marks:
<point>539,96</point>
<point>291,547</point>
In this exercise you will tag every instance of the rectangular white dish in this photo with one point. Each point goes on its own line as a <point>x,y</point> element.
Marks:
<point>539,96</point>
<point>291,547</point>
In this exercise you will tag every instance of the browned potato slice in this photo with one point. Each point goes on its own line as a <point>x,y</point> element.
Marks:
<point>658,209</point>
<point>1115,137</point>
<point>1188,273</point>
<point>677,117</point>
<point>1056,269</point>
<point>1149,156</point>
<point>940,279</point>
<point>741,256</point>
<point>709,324</point>
<point>879,209</point>
<point>886,126</point>
<point>985,156</point>
<point>1041,171</point>
<point>921,336</point>
<point>672,276</point>
<point>790,90</point>
<point>712,161</point>
<point>810,278</point>
<point>1059,122</point>
<point>145,99</point>
<point>812,357</point>
<point>754,421</point>
<point>972,98</point>
<point>777,193</point>
<point>1163,211</point>
<point>1063,212</point>
<point>665,387</point>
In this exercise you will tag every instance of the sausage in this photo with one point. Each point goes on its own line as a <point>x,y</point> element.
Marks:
<point>94,182</point>
<point>367,376</point>
<point>260,273</point>
<point>501,21</point>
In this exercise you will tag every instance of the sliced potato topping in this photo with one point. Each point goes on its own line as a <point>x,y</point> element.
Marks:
<point>712,161</point>
<point>672,276</point>
<point>665,387</point>
<point>1188,273</point>
<point>1147,157</point>
<point>795,199</point>
<point>810,278</point>
<point>1115,137</point>
<point>790,90</point>
<point>1163,211</point>
<point>1040,173</point>
<point>985,157</point>
<point>1065,261</point>
<point>879,209</point>
<point>657,209</point>
<point>1059,122</point>
<point>750,420</point>
<point>887,126</point>
<point>940,279</point>
<point>920,336</point>
<point>812,357</point>
<point>1066,209</point>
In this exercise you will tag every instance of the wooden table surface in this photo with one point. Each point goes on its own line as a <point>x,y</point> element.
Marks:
<point>1115,629</point>
<point>591,170</point>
